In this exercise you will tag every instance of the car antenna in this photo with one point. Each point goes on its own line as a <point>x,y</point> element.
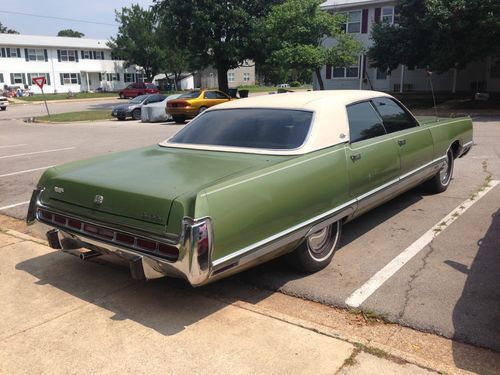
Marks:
<point>429,74</point>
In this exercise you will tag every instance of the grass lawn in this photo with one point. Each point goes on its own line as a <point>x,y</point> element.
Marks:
<point>62,96</point>
<point>76,116</point>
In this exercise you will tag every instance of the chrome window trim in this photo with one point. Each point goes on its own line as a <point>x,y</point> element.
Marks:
<point>249,150</point>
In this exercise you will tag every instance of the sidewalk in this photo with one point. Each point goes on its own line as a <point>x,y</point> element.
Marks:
<point>23,102</point>
<point>62,315</point>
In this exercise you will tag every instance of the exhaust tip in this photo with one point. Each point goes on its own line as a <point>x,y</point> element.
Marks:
<point>89,254</point>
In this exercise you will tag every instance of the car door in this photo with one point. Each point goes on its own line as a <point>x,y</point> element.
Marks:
<point>372,157</point>
<point>414,142</point>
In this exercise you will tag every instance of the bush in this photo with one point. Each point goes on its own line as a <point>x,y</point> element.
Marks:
<point>295,84</point>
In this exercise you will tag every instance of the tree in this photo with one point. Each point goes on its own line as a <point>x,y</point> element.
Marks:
<point>438,34</point>
<point>6,30</point>
<point>71,33</point>
<point>301,46</point>
<point>216,33</point>
<point>138,40</point>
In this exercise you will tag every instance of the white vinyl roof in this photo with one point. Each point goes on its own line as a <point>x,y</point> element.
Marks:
<point>338,4</point>
<point>329,127</point>
<point>51,41</point>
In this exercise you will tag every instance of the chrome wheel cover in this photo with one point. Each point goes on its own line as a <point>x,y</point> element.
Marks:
<point>445,171</point>
<point>322,243</point>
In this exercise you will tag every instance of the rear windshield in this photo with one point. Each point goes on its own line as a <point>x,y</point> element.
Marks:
<point>190,95</point>
<point>276,129</point>
<point>138,99</point>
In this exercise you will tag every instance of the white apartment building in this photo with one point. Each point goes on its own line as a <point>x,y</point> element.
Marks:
<point>68,64</point>
<point>361,15</point>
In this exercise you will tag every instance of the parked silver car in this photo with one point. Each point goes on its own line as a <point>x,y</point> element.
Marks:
<point>133,107</point>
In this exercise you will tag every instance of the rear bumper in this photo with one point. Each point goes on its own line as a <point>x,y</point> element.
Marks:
<point>194,243</point>
<point>185,112</point>
<point>120,114</point>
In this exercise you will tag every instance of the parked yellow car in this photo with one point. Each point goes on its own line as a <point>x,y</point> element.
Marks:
<point>192,103</point>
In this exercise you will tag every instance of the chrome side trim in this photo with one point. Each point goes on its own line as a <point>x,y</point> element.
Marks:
<point>376,190</point>
<point>277,236</point>
<point>272,172</point>
<point>247,254</point>
<point>422,167</point>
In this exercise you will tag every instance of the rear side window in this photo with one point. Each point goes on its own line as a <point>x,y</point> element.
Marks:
<point>220,95</point>
<point>364,122</point>
<point>150,86</point>
<point>394,116</point>
<point>210,95</point>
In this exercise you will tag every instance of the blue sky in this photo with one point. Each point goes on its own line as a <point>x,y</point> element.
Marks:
<point>89,10</point>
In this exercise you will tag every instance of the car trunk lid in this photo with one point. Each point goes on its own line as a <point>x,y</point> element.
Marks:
<point>141,184</point>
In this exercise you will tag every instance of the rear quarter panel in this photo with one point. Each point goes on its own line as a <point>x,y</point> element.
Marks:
<point>255,206</point>
<point>446,131</point>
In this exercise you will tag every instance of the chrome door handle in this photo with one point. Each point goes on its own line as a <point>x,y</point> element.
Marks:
<point>355,157</point>
<point>402,142</point>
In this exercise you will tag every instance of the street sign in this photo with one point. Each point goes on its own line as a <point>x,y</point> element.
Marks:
<point>39,81</point>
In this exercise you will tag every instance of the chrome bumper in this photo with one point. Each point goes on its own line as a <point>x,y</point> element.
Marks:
<point>194,262</point>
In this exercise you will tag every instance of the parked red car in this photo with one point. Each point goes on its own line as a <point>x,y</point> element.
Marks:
<point>138,88</point>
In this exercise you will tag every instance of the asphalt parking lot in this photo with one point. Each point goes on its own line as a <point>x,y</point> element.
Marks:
<point>449,286</point>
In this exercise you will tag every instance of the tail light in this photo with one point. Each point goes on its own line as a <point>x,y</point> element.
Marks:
<point>203,245</point>
<point>177,104</point>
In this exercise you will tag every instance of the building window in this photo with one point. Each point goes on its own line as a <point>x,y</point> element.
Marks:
<point>353,22</point>
<point>246,77</point>
<point>129,77</point>
<point>140,77</point>
<point>98,55</point>
<point>68,55</point>
<point>86,55</point>
<point>17,78</point>
<point>14,52</point>
<point>34,75</point>
<point>1,78</point>
<point>230,77</point>
<point>346,72</point>
<point>36,54</point>
<point>112,77</point>
<point>69,78</point>
<point>381,74</point>
<point>388,15</point>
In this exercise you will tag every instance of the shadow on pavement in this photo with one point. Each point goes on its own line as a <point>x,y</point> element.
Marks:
<point>169,305</point>
<point>166,305</point>
<point>476,316</point>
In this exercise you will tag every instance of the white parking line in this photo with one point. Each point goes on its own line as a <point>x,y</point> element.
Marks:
<point>37,152</point>
<point>25,171</point>
<point>368,288</point>
<point>13,205</point>
<point>19,145</point>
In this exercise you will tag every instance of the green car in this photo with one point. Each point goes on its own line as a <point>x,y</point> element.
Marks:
<point>248,181</point>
